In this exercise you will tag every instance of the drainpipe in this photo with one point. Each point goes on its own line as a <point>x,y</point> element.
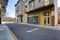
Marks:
<point>0,13</point>
<point>0,16</point>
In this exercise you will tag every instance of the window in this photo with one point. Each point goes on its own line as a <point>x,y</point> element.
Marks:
<point>18,7</point>
<point>46,13</point>
<point>46,2</point>
<point>39,0</point>
<point>26,0</point>
<point>33,20</point>
<point>16,10</point>
<point>31,5</point>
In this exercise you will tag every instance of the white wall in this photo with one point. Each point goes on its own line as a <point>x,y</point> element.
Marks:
<point>56,13</point>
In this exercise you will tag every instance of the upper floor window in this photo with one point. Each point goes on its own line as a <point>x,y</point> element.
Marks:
<point>46,2</point>
<point>26,0</point>
<point>30,5</point>
<point>39,0</point>
<point>19,5</point>
<point>16,10</point>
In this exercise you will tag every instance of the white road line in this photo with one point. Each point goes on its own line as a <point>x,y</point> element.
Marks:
<point>32,30</point>
<point>1,29</point>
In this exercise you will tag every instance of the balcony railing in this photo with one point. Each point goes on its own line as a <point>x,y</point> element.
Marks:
<point>39,5</point>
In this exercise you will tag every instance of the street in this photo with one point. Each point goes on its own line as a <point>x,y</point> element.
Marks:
<point>29,20</point>
<point>27,32</point>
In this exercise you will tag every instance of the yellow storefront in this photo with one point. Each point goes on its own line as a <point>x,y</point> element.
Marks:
<point>44,16</point>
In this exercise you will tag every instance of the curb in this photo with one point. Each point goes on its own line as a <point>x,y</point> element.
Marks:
<point>44,26</point>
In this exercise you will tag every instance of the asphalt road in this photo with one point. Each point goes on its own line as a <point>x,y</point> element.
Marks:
<point>26,32</point>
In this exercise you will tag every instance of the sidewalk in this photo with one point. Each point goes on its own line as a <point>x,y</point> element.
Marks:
<point>57,27</point>
<point>6,33</point>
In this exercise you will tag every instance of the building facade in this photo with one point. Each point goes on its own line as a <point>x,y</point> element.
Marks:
<point>3,5</point>
<point>42,12</point>
<point>21,16</point>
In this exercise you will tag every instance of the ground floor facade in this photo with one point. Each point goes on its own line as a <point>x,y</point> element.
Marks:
<point>42,16</point>
<point>22,18</point>
<point>19,19</point>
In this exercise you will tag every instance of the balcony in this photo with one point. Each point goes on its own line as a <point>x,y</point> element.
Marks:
<point>36,4</point>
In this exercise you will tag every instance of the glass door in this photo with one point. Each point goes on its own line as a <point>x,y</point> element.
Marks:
<point>46,18</point>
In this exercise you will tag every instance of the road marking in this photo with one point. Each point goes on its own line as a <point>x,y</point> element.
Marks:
<point>32,30</point>
<point>1,29</point>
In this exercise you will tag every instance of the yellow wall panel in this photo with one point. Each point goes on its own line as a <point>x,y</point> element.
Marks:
<point>50,17</point>
<point>41,18</point>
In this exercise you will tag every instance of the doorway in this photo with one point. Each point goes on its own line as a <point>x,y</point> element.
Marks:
<point>46,18</point>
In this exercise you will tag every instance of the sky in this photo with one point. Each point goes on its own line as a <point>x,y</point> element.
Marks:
<point>11,8</point>
<point>58,3</point>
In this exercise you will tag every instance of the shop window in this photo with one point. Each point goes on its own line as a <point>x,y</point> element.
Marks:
<point>33,20</point>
